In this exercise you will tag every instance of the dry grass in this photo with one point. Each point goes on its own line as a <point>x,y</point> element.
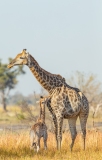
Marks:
<point>16,146</point>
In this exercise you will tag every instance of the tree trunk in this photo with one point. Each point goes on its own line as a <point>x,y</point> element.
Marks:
<point>4,101</point>
<point>4,106</point>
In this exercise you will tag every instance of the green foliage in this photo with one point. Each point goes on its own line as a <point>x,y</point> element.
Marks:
<point>8,78</point>
<point>20,116</point>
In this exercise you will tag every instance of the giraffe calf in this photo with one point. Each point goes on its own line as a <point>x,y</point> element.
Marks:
<point>38,130</point>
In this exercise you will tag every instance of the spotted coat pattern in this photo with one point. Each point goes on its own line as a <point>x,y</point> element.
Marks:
<point>67,103</point>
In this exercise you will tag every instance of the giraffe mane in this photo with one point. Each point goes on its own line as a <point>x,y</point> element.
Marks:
<point>51,74</point>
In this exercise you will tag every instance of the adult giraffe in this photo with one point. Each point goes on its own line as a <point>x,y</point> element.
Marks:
<point>65,101</point>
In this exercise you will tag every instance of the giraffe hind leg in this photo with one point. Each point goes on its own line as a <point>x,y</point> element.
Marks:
<point>45,144</point>
<point>72,127</point>
<point>45,140</point>
<point>55,126</point>
<point>83,121</point>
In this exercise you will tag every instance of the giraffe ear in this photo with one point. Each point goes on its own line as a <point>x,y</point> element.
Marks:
<point>24,52</point>
<point>27,54</point>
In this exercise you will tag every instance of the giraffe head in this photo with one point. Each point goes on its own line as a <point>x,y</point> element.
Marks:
<point>42,101</point>
<point>21,59</point>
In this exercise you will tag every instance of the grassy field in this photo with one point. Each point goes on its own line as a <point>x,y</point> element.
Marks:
<point>14,145</point>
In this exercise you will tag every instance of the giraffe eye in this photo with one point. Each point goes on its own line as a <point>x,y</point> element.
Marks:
<point>21,57</point>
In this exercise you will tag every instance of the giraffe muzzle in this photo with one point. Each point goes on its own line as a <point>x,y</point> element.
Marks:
<point>11,64</point>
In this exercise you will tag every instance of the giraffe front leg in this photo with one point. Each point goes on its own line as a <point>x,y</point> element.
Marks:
<point>55,126</point>
<point>72,127</point>
<point>45,140</point>
<point>59,132</point>
<point>38,145</point>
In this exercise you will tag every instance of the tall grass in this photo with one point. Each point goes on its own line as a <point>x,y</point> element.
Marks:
<point>16,146</point>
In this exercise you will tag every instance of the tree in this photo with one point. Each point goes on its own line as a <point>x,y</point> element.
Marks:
<point>8,80</point>
<point>89,85</point>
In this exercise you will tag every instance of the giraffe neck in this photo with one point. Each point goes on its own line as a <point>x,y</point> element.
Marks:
<point>42,113</point>
<point>46,79</point>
